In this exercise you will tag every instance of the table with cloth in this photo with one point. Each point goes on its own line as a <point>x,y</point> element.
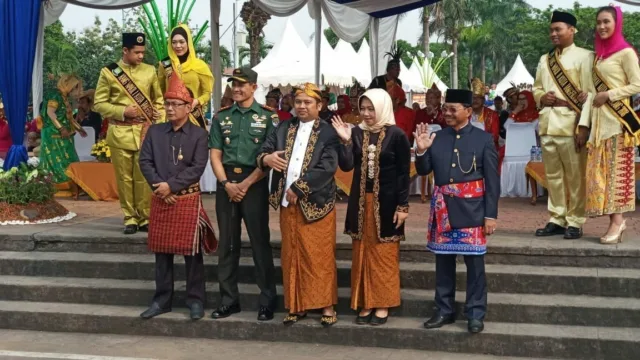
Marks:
<point>97,179</point>
<point>536,176</point>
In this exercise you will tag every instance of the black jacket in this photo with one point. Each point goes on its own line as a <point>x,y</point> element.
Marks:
<point>390,183</point>
<point>316,187</point>
<point>442,158</point>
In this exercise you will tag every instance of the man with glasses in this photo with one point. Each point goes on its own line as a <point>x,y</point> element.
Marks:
<point>173,157</point>
<point>464,206</point>
<point>237,133</point>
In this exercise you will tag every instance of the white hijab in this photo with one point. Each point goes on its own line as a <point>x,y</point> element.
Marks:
<point>384,110</point>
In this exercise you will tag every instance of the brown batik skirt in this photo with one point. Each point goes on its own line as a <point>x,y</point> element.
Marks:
<point>375,267</point>
<point>309,271</point>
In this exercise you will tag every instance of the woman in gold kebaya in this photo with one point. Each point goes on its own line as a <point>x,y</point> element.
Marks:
<point>379,153</point>
<point>194,72</point>
<point>610,162</point>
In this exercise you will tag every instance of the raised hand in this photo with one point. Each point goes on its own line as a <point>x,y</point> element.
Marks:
<point>343,129</point>
<point>424,140</point>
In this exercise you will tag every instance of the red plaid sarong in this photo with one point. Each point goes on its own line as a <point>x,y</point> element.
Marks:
<point>181,228</point>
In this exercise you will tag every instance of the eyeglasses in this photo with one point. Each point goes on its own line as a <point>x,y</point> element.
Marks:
<point>168,104</point>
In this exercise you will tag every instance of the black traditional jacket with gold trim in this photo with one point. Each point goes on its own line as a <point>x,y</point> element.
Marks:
<point>316,187</point>
<point>390,180</point>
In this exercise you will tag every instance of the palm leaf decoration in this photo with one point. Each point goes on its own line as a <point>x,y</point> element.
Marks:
<point>158,31</point>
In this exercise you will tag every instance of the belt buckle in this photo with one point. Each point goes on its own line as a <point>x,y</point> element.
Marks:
<point>237,170</point>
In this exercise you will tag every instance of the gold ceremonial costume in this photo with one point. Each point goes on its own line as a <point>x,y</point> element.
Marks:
<point>125,140</point>
<point>564,167</point>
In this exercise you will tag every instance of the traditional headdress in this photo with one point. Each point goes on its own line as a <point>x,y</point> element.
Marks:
<point>384,109</point>
<point>177,90</point>
<point>565,17</point>
<point>477,87</point>
<point>310,90</point>
<point>347,105</point>
<point>395,56</point>
<point>530,113</point>
<point>189,61</point>
<point>130,40</point>
<point>510,91</point>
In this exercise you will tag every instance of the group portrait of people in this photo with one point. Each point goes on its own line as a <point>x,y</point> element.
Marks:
<point>285,155</point>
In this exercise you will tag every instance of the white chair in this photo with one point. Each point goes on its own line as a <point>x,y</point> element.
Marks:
<point>84,144</point>
<point>520,138</point>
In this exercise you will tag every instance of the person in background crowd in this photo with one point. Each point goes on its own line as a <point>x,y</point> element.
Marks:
<point>195,73</point>
<point>464,206</point>
<point>86,116</point>
<point>130,117</point>
<point>511,94</point>
<point>498,105</point>
<point>392,77</point>
<point>415,106</point>
<point>432,113</point>
<point>58,147</point>
<point>287,104</point>
<point>227,98</point>
<point>379,155</point>
<point>273,100</point>
<point>348,114</point>
<point>172,159</point>
<point>325,113</point>
<point>405,118</point>
<point>526,111</point>
<point>5,135</point>
<point>303,152</point>
<point>615,127</point>
<point>237,133</point>
<point>483,117</point>
<point>562,112</point>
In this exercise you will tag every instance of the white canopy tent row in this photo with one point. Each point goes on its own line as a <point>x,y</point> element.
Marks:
<point>517,75</point>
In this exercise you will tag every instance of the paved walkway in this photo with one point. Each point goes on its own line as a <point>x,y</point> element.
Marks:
<point>22,345</point>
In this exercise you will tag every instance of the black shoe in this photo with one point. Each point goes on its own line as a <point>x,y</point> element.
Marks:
<point>375,321</point>
<point>265,314</point>
<point>363,320</point>
<point>437,321</point>
<point>144,228</point>
<point>130,229</point>
<point>551,229</point>
<point>573,233</point>
<point>197,311</point>
<point>475,326</point>
<point>225,311</point>
<point>153,311</point>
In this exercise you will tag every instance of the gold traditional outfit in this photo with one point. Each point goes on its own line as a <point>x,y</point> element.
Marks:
<point>611,164</point>
<point>125,138</point>
<point>564,167</point>
<point>195,73</point>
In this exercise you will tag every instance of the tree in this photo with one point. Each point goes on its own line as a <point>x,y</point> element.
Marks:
<point>449,20</point>
<point>408,51</point>
<point>263,51</point>
<point>255,19</point>
<point>60,54</point>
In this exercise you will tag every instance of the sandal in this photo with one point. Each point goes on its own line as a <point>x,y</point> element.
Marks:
<point>329,320</point>
<point>293,318</point>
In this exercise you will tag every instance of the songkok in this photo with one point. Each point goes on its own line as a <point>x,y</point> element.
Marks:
<point>310,90</point>
<point>177,90</point>
<point>560,16</point>
<point>477,87</point>
<point>456,96</point>
<point>244,74</point>
<point>130,40</point>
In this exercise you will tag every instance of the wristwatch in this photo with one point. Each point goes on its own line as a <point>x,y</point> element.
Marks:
<point>224,182</point>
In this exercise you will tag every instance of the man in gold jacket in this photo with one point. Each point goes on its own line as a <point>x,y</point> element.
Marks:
<point>564,126</point>
<point>129,96</point>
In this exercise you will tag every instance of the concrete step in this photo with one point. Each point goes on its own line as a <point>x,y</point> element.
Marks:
<point>505,249</point>
<point>500,339</point>
<point>520,279</point>
<point>508,308</point>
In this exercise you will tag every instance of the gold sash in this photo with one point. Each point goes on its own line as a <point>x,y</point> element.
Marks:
<point>196,113</point>
<point>623,112</point>
<point>564,82</point>
<point>132,91</point>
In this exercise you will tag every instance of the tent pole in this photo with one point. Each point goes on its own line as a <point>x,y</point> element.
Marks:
<point>318,11</point>
<point>216,67</point>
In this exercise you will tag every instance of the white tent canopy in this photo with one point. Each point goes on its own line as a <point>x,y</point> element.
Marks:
<point>517,75</point>
<point>332,67</point>
<point>412,78</point>
<point>362,72</point>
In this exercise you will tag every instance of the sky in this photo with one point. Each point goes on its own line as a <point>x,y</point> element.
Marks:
<point>409,29</point>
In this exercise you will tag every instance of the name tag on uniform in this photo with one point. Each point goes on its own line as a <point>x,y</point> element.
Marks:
<point>257,125</point>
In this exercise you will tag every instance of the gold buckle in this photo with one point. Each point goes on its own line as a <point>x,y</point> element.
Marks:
<point>237,170</point>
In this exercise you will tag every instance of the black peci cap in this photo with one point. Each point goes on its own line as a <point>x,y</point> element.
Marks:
<point>455,96</point>
<point>130,40</point>
<point>565,17</point>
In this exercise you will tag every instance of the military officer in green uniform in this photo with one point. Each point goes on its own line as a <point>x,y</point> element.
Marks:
<point>237,133</point>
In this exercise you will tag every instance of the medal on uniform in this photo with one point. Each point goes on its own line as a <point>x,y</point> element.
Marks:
<point>255,116</point>
<point>256,140</point>
<point>227,141</point>
<point>227,132</point>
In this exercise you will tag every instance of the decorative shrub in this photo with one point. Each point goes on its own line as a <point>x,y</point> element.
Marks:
<point>26,184</point>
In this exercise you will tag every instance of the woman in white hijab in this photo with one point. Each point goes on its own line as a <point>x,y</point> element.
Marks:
<point>379,153</point>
